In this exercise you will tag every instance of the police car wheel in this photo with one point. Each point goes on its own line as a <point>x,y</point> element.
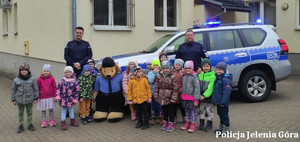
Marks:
<point>255,86</point>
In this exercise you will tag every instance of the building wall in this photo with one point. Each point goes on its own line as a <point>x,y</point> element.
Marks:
<point>286,25</point>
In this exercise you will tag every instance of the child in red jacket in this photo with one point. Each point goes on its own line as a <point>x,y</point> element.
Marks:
<point>47,89</point>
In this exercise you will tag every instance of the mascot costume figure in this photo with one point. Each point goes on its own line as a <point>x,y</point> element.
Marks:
<point>108,92</point>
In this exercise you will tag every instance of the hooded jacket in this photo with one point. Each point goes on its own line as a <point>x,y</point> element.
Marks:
<point>138,90</point>
<point>67,91</point>
<point>86,86</point>
<point>178,74</point>
<point>207,80</point>
<point>222,89</point>
<point>47,86</point>
<point>190,87</point>
<point>24,91</point>
<point>166,89</point>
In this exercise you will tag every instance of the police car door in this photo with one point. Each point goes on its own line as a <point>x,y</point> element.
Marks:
<point>226,45</point>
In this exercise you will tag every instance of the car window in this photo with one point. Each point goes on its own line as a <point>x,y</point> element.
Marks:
<point>220,40</point>
<point>253,37</point>
<point>237,40</point>
<point>157,44</point>
<point>199,38</point>
<point>177,42</point>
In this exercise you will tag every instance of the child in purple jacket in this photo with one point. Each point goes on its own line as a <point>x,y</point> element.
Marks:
<point>67,94</point>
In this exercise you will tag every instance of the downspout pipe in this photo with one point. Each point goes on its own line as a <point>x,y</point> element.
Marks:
<point>74,17</point>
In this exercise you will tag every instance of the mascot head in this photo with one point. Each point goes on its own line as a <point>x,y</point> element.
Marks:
<point>109,69</point>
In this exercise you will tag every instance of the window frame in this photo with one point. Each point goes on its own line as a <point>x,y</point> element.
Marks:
<point>110,25</point>
<point>165,17</point>
<point>5,22</point>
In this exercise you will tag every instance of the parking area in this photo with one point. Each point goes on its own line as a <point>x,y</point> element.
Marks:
<point>276,119</point>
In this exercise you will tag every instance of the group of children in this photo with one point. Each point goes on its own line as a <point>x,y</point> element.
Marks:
<point>178,86</point>
<point>162,87</point>
<point>26,90</point>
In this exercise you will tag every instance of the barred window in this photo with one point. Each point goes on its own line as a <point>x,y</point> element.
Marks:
<point>114,14</point>
<point>165,12</point>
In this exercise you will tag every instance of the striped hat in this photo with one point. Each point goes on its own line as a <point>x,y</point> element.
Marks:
<point>189,64</point>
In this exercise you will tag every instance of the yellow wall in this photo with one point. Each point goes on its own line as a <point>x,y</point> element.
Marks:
<point>48,27</point>
<point>286,25</point>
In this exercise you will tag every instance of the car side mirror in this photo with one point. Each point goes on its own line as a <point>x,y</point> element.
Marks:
<point>169,49</point>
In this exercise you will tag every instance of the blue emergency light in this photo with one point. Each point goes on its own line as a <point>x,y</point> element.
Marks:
<point>212,23</point>
<point>258,21</point>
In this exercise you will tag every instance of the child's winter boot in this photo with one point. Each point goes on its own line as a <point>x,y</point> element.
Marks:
<point>52,122</point>
<point>74,123</point>
<point>161,119</point>
<point>201,125</point>
<point>152,121</point>
<point>186,125</point>
<point>164,126</point>
<point>192,128</point>
<point>63,125</point>
<point>170,127</point>
<point>209,126</point>
<point>20,129</point>
<point>44,123</point>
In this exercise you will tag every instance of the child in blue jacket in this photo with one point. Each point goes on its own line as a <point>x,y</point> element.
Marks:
<point>221,95</point>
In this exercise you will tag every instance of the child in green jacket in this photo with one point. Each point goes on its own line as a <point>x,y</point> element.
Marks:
<point>207,79</point>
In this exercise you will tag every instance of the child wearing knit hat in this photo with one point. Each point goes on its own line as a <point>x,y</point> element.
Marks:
<point>126,78</point>
<point>86,82</point>
<point>67,95</point>
<point>148,64</point>
<point>47,90</point>
<point>162,57</point>
<point>179,72</point>
<point>190,96</point>
<point>207,79</point>
<point>139,95</point>
<point>221,95</point>
<point>166,94</point>
<point>156,111</point>
<point>22,97</point>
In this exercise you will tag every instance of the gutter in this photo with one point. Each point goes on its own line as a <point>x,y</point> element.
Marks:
<point>74,17</point>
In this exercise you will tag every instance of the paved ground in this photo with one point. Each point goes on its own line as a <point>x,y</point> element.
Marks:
<point>280,113</point>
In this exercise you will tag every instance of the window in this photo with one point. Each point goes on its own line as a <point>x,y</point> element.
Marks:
<point>298,14</point>
<point>113,14</point>
<point>15,18</point>
<point>220,40</point>
<point>253,37</point>
<point>5,22</point>
<point>165,12</point>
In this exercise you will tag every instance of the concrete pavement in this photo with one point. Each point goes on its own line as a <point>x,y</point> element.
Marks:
<point>279,114</point>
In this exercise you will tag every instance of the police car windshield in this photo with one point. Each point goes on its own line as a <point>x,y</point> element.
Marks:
<point>157,44</point>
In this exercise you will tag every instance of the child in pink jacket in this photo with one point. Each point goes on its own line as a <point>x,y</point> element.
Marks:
<point>67,94</point>
<point>47,89</point>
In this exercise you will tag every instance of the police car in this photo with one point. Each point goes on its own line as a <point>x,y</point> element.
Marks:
<point>256,57</point>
